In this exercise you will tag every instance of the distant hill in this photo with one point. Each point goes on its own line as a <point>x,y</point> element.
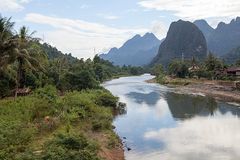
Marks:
<point>53,52</point>
<point>206,29</point>
<point>232,56</point>
<point>183,39</point>
<point>137,51</point>
<point>224,38</point>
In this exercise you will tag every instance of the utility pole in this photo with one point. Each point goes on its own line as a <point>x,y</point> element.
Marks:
<point>182,57</point>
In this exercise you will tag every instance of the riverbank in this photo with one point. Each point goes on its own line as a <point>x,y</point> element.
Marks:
<point>220,90</point>
<point>46,126</point>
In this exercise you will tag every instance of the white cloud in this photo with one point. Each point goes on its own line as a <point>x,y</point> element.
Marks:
<point>111,17</point>
<point>159,29</point>
<point>214,138</point>
<point>81,37</point>
<point>108,16</point>
<point>12,5</point>
<point>195,9</point>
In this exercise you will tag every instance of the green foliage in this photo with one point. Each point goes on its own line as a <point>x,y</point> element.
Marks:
<point>70,147</point>
<point>157,70</point>
<point>161,79</point>
<point>25,120</point>
<point>48,93</point>
<point>81,80</point>
<point>178,68</point>
<point>105,98</point>
<point>212,63</point>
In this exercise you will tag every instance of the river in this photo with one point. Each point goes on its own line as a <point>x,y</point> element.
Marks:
<point>162,125</point>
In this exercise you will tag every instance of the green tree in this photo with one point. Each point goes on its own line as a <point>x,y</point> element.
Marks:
<point>212,63</point>
<point>157,70</point>
<point>24,58</point>
<point>7,41</point>
<point>81,80</point>
<point>178,68</point>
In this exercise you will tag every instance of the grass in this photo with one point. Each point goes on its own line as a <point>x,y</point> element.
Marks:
<point>46,126</point>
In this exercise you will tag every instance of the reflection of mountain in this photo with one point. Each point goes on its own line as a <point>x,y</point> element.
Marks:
<point>185,106</point>
<point>149,98</point>
<point>226,108</point>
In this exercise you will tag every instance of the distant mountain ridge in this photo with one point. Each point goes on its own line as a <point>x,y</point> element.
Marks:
<point>224,38</point>
<point>184,39</point>
<point>137,51</point>
<point>232,56</point>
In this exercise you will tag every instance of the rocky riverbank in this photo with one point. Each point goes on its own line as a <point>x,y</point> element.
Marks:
<point>221,90</point>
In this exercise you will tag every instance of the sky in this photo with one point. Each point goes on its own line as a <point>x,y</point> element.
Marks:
<point>82,26</point>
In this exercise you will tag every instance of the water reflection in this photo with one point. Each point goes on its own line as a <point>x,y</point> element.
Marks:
<point>215,138</point>
<point>185,106</point>
<point>148,98</point>
<point>160,124</point>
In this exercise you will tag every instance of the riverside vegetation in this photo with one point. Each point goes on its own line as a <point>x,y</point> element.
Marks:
<point>67,113</point>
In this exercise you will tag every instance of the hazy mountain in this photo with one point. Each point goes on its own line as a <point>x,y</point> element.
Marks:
<point>232,56</point>
<point>222,39</point>
<point>206,29</point>
<point>183,38</point>
<point>137,51</point>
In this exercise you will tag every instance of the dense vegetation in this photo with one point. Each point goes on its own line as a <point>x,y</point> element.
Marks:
<point>47,126</point>
<point>67,110</point>
<point>211,68</point>
<point>25,62</point>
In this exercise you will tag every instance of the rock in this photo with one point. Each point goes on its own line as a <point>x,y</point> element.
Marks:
<point>184,40</point>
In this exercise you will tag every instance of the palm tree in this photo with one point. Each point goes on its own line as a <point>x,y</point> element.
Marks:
<point>24,58</point>
<point>8,42</point>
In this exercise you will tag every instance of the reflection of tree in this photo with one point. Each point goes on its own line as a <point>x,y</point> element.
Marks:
<point>150,98</point>
<point>211,105</point>
<point>185,106</point>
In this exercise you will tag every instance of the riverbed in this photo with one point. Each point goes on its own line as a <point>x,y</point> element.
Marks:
<point>162,124</point>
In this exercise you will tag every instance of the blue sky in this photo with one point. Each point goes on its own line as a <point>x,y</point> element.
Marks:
<point>79,26</point>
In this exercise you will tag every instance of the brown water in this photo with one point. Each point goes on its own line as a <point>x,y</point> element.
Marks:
<point>163,125</point>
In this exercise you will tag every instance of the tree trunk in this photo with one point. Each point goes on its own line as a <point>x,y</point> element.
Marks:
<point>19,74</point>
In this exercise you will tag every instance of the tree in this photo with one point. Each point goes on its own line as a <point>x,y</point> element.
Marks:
<point>212,63</point>
<point>7,41</point>
<point>157,70</point>
<point>178,68</point>
<point>81,80</point>
<point>24,58</point>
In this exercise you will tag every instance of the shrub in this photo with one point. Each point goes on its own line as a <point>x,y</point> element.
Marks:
<point>106,99</point>
<point>48,93</point>
<point>70,147</point>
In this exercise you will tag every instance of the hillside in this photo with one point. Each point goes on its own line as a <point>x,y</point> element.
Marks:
<point>53,52</point>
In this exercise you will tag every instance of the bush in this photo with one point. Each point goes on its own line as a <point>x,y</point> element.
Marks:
<point>48,93</point>
<point>106,99</point>
<point>70,147</point>
<point>161,79</point>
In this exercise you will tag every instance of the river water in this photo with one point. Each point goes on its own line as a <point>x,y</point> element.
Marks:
<point>162,125</point>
